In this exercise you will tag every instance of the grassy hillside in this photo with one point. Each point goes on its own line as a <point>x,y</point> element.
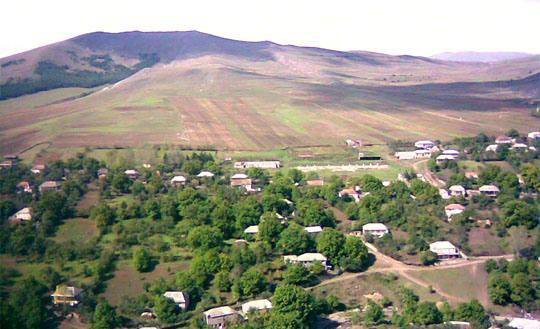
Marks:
<point>209,92</point>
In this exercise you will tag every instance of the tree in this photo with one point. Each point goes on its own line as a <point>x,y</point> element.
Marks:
<point>142,260</point>
<point>311,212</point>
<point>499,289</point>
<point>294,302</point>
<point>104,316</point>
<point>252,282</point>
<point>531,176</point>
<point>270,229</point>
<point>427,313</point>
<point>295,175</point>
<point>103,215</point>
<point>522,289</point>
<point>518,212</point>
<point>331,243</point>
<point>166,309</point>
<point>369,183</point>
<point>222,281</point>
<point>27,300</point>
<point>248,212</point>
<point>294,240</point>
<point>356,255</point>
<point>204,237</point>
<point>428,257</point>
<point>374,314</point>
<point>297,274</point>
<point>472,312</point>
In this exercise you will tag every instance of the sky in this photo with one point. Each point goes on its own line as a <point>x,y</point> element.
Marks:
<point>414,27</point>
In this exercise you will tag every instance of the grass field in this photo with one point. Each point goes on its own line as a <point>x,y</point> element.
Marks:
<point>77,230</point>
<point>127,282</point>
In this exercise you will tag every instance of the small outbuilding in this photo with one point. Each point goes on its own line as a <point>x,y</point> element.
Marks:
<point>375,229</point>
<point>444,250</point>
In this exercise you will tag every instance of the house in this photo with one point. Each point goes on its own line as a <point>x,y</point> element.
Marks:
<point>424,144</point>
<point>444,194</point>
<point>241,180</point>
<point>218,317</point>
<point>522,323</point>
<point>533,135</point>
<point>444,250</point>
<point>315,182</point>
<point>444,158</point>
<point>25,187</point>
<point>273,164</point>
<point>519,147</point>
<point>313,229</point>
<point>102,173</point>
<point>472,193</point>
<point>178,181</point>
<point>132,173</point>
<point>454,153</point>
<point>492,148</point>
<point>6,164</point>
<point>422,153</point>
<point>256,305</point>
<point>254,229</point>
<point>471,174</point>
<point>38,169</point>
<point>453,209</point>
<point>405,155</point>
<point>375,229</point>
<point>12,157</point>
<point>23,215</point>
<point>307,259</point>
<point>353,142</point>
<point>49,186</point>
<point>179,298</point>
<point>66,295</point>
<point>489,190</point>
<point>504,140</point>
<point>352,193</point>
<point>147,165</point>
<point>205,174</point>
<point>457,191</point>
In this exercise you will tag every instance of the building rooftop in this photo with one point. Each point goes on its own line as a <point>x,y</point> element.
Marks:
<point>219,311</point>
<point>260,304</point>
<point>374,227</point>
<point>239,176</point>
<point>254,229</point>
<point>177,296</point>
<point>313,229</point>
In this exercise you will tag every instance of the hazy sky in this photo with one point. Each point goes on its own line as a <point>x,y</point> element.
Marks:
<point>416,27</point>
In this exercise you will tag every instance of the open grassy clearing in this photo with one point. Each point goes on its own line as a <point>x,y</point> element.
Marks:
<point>351,292</point>
<point>76,230</point>
<point>127,282</point>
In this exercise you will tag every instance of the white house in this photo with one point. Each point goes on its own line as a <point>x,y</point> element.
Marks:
<point>492,148</point>
<point>179,298</point>
<point>254,229</point>
<point>444,158</point>
<point>405,155</point>
<point>534,135</point>
<point>424,144</point>
<point>178,181</point>
<point>457,190</point>
<point>132,173</point>
<point>444,250</point>
<point>241,180</point>
<point>375,229</point>
<point>489,190</point>
<point>272,164</point>
<point>351,193</point>
<point>504,140</point>
<point>23,215</point>
<point>422,153</point>
<point>522,323</point>
<point>453,209</point>
<point>313,229</point>
<point>218,317</point>
<point>519,147</point>
<point>256,305</point>
<point>451,152</point>
<point>444,194</point>
<point>205,174</point>
<point>38,169</point>
<point>307,259</point>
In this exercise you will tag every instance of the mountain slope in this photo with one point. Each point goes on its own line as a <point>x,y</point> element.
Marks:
<point>483,57</point>
<point>258,96</point>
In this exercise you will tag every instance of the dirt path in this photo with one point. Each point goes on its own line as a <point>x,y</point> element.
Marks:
<point>430,177</point>
<point>386,264</point>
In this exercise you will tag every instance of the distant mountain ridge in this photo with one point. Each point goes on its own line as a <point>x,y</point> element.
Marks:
<point>481,57</point>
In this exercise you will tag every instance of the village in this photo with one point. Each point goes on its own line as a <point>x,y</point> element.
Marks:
<point>310,220</point>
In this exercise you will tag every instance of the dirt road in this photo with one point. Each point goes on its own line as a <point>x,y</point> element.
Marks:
<point>420,167</point>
